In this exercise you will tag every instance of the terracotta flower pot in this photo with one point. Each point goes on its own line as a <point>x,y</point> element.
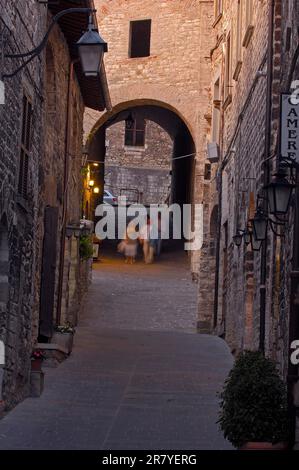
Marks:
<point>264,446</point>
<point>36,364</point>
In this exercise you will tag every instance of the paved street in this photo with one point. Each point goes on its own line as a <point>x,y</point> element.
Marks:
<point>139,376</point>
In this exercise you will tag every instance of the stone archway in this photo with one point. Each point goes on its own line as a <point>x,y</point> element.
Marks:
<point>171,120</point>
<point>4,289</point>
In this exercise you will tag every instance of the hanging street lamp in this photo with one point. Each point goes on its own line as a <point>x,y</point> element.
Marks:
<point>91,48</point>
<point>279,193</point>
<point>255,244</point>
<point>247,236</point>
<point>130,121</point>
<point>260,225</point>
<point>238,238</point>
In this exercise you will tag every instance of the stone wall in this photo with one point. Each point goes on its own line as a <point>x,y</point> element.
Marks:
<point>242,135</point>
<point>140,173</point>
<point>60,171</point>
<point>45,84</point>
<point>21,28</point>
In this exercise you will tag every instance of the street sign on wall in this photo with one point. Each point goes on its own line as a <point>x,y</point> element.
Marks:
<point>289,127</point>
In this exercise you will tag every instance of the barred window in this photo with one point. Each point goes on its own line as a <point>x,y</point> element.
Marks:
<point>135,133</point>
<point>25,147</point>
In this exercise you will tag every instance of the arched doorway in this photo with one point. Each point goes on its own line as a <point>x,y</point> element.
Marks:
<point>183,151</point>
<point>181,155</point>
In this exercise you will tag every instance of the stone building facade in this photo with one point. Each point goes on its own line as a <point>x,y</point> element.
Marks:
<point>141,173</point>
<point>41,138</point>
<point>19,216</point>
<point>254,60</point>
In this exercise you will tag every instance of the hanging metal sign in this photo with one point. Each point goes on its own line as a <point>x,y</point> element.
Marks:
<point>289,127</point>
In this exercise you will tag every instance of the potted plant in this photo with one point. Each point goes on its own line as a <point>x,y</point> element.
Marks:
<point>64,336</point>
<point>254,404</point>
<point>86,248</point>
<point>37,358</point>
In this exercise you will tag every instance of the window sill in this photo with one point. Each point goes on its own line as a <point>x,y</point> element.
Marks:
<point>248,36</point>
<point>227,101</point>
<point>237,70</point>
<point>217,20</point>
<point>143,58</point>
<point>134,148</point>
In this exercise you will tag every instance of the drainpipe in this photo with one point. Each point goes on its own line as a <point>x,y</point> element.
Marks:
<point>219,226</point>
<point>65,195</point>
<point>266,175</point>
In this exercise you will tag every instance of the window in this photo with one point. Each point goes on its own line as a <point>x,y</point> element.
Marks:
<point>238,42</point>
<point>216,112</point>
<point>228,72</point>
<point>247,13</point>
<point>25,147</point>
<point>208,172</point>
<point>140,38</point>
<point>135,133</point>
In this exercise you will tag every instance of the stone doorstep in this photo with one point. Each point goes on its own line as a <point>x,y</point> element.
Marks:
<point>54,353</point>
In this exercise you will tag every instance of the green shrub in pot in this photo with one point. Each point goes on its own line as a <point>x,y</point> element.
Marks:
<point>254,402</point>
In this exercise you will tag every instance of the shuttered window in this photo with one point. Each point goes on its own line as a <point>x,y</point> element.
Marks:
<point>140,38</point>
<point>25,147</point>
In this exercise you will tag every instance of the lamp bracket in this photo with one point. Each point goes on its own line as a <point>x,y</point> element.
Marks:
<point>35,52</point>
<point>272,225</point>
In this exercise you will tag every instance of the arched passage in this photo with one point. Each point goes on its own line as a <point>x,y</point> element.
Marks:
<point>172,122</point>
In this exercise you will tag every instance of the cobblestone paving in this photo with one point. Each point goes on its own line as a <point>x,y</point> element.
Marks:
<point>139,376</point>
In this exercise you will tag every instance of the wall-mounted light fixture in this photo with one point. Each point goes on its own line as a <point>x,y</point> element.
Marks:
<point>260,225</point>
<point>238,238</point>
<point>91,47</point>
<point>279,193</point>
<point>73,230</point>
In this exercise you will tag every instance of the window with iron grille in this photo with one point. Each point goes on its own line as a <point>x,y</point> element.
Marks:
<point>135,133</point>
<point>25,147</point>
<point>140,38</point>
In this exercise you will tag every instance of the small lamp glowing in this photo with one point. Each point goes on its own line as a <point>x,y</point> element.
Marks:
<point>91,183</point>
<point>96,190</point>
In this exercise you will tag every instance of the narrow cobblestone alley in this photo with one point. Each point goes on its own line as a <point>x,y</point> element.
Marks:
<point>139,376</point>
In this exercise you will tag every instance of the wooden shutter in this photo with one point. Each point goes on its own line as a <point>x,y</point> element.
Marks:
<point>48,272</point>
